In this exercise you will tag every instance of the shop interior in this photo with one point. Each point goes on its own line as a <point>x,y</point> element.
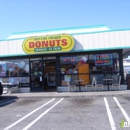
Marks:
<point>98,65</point>
<point>43,74</point>
<point>40,73</point>
<point>36,75</point>
<point>15,72</point>
<point>50,74</point>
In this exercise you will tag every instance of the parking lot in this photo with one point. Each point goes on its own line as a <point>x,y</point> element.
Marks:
<point>72,113</point>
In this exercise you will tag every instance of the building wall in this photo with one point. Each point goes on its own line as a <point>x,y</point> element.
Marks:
<point>11,47</point>
<point>83,42</point>
<point>104,40</point>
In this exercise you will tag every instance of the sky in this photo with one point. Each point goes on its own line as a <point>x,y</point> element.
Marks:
<point>31,15</point>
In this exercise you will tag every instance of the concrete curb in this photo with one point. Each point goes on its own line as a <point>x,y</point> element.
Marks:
<point>69,94</point>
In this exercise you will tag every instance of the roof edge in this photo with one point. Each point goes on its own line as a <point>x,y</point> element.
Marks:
<point>47,30</point>
<point>114,30</point>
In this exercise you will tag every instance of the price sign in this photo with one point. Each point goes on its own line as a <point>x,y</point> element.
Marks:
<point>103,59</point>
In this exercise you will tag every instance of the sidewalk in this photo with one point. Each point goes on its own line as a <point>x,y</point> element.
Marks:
<point>69,94</point>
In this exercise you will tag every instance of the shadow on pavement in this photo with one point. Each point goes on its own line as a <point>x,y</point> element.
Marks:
<point>6,100</point>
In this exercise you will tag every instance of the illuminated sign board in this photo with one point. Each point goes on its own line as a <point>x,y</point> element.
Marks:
<point>103,59</point>
<point>48,44</point>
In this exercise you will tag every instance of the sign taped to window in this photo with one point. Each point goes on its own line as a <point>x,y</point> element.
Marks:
<point>103,59</point>
<point>69,60</point>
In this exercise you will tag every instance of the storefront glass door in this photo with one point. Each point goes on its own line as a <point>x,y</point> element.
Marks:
<point>36,74</point>
<point>49,73</point>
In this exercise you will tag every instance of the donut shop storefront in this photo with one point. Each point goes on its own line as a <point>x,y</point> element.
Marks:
<point>44,63</point>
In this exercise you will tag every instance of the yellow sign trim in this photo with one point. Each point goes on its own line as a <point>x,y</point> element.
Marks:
<point>48,44</point>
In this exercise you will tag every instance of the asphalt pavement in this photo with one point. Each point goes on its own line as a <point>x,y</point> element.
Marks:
<point>67,110</point>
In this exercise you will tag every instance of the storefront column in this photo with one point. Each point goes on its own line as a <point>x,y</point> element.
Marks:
<point>121,67</point>
<point>30,75</point>
<point>58,77</point>
<point>42,64</point>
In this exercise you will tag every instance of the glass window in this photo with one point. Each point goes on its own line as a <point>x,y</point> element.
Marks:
<point>36,68</point>
<point>74,68</point>
<point>70,64</point>
<point>115,63</point>
<point>116,69</point>
<point>21,81</point>
<point>14,68</point>
<point>102,65</point>
<point>2,69</point>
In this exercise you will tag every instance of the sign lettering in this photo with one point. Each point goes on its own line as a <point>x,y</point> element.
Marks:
<point>48,44</point>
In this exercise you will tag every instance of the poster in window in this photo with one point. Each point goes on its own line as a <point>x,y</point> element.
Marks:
<point>67,78</point>
<point>69,60</point>
<point>103,59</point>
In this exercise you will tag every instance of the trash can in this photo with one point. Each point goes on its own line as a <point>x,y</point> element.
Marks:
<point>128,81</point>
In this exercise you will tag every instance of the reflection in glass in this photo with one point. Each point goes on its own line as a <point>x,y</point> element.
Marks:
<point>18,67</point>
<point>16,81</point>
<point>74,68</point>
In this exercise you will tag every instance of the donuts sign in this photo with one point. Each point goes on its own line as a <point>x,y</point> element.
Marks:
<point>48,44</point>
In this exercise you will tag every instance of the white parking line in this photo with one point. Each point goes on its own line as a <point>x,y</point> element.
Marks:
<point>122,110</point>
<point>7,128</point>
<point>112,123</point>
<point>34,121</point>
